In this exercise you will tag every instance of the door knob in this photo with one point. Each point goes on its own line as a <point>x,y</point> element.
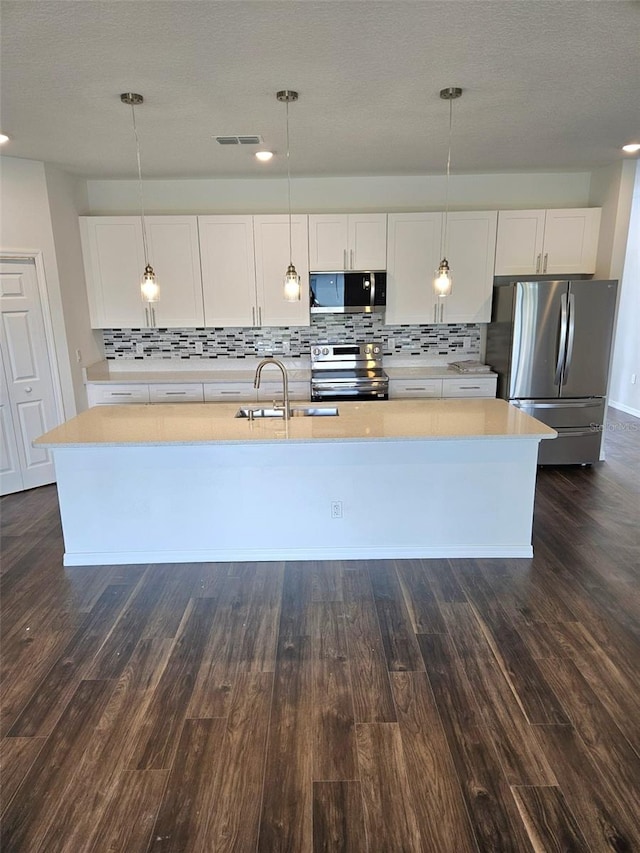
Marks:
<point>28,389</point>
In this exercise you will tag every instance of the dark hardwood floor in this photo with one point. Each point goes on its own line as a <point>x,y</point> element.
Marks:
<point>415,705</point>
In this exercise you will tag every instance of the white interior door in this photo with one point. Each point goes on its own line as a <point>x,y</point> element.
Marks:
<point>29,407</point>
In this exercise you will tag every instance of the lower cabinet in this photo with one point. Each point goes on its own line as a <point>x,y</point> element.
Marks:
<point>483,386</point>
<point>103,394</point>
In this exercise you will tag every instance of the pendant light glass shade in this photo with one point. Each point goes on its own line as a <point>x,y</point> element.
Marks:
<point>292,288</point>
<point>291,284</point>
<point>149,287</point>
<point>443,282</point>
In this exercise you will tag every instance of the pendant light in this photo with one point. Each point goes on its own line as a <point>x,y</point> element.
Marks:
<point>442,283</point>
<point>149,288</point>
<point>291,277</point>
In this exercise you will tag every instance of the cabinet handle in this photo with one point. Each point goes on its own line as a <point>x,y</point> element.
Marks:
<point>538,259</point>
<point>146,315</point>
<point>351,261</point>
<point>546,258</point>
<point>121,394</point>
<point>415,388</point>
<point>469,387</point>
<point>28,389</point>
<point>442,312</point>
<point>344,258</point>
<point>235,393</point>
<point>435,313</point>
<point>174,393</point>
<point>259,315</point>
<point>253,316</point>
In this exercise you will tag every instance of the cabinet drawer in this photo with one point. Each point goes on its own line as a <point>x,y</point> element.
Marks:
<point>399,388</point>
<point>220,391</point>
<point>172,393</point>
<point>270,391</point>
<point>484,386</point>
<point>104,395</point>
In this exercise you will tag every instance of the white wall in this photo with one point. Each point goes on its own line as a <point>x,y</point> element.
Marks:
<point>623,393</point>
<point>269,195</point>
<point>67,197</point>
<point>25,226</point>
<point>612,190</point>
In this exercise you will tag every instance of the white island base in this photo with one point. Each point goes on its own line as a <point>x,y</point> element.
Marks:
<point>276,501</point>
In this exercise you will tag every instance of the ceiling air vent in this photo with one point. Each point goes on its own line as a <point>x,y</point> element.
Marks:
<point>239,140</point>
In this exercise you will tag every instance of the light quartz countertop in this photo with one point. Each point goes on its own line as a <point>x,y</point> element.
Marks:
<point>130,372</point>
<point>125,373</point>
<point>214,423</point>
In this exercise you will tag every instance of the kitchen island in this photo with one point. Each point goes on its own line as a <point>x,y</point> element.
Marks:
<point>190,482</point>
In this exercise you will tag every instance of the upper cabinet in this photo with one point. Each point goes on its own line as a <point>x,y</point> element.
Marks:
<point>413,256</point>
<point>347,241</point>
<point>414,252</point>
<point>244,260</point>
<point>114,262</point>
<point>539,242</point>
<point>470,250</point>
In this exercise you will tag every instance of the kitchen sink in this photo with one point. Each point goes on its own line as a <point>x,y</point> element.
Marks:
<point>296,412</point>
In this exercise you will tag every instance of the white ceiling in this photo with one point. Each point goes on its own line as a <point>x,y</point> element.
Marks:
<point>548,84</point>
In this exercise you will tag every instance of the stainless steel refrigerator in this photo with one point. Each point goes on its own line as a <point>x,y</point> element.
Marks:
<point>550,344</point>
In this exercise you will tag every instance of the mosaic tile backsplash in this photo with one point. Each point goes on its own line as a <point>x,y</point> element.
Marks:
<point>461,341</point>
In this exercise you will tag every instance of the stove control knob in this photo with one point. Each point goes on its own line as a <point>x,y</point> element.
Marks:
<point>376,350</point>
<point>325,351</point>
<point>316,350</point>
<point>367,349</point>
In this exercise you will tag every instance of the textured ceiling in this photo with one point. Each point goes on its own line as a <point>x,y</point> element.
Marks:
<point>547,85</point>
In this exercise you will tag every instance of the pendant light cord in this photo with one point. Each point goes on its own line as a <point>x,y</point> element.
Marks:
<point>140,192</point>
<point>289,185</point>
<point>443,246</point>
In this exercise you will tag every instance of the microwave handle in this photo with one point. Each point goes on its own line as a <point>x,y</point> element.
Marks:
<point>373,290</point>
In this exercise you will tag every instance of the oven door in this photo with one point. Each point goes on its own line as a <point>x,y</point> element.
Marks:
<point>341,391</point>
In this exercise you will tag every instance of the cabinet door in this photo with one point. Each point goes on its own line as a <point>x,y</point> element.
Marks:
<point>471,246</point>
<point>519,243</point>
<point>175,256</point>
<point>571,240</point>
<point>367,241</point>
<point>114,264</point>
<point>407,388</point>
<point>271,234</point>
<point>228,270</point>
<point>412,258</point>
<point>470,386</point>
<point>328,239</point>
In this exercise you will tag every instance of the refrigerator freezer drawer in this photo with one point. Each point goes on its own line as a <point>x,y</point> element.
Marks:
<point>570,414</point>
<point>579,427</point>
<point>571,447</point>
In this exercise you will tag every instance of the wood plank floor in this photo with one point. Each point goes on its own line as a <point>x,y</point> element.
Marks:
<point>417,705</point>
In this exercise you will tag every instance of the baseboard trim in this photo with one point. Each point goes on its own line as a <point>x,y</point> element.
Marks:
<point>623,408</point>
<point>119,558</point>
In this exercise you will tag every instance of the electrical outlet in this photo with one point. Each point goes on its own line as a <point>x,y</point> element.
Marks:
<point>391,343</point>
<point>197,347</point>
<point>336,509</point>
<point>286,347</point>
<point>139,349</point>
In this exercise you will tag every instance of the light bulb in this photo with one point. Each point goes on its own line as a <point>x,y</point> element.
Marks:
<point>631,148</point>
<point>149,286</point>
<point>3,138</point>
<point>442,283</point>
<point>264,156</point>
<point>291,284</point>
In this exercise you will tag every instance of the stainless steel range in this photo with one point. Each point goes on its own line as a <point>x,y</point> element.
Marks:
<point>348,372</point>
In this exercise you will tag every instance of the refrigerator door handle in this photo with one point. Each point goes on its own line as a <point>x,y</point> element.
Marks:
<point>572,334</point>
<point>562,340</point>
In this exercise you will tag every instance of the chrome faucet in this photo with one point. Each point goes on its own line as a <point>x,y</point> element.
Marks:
<point>285,381</point>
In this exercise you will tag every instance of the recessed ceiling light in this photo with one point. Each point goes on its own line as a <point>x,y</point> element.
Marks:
<point>264,156</point>
<point>3,138</point>
<point>631,148</point>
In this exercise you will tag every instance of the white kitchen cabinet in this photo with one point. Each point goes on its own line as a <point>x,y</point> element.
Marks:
<point>414,252</point>
<point>173,392</point>
<point>114,263</point>
<point>228,270</point>
<point>470,250</point>
<point>102,394</point>
<point>244,260</point>
<point>270,391</point>
<point>412,258</point>
<point>347,241</point>
<point>227,392</point>
<point>470,386</point>
<point>271,238</point>
<point>407,388</point>
<point>547,242</point>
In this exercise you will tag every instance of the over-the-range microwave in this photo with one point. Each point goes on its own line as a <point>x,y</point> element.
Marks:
<point>347,292</point>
